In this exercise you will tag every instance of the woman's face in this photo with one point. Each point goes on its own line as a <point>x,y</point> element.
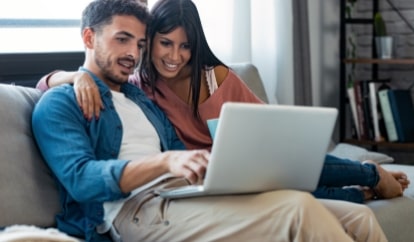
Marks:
<point>170,53</point>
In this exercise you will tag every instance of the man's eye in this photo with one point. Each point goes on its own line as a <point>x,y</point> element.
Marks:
<point>141,44</point>
<point>122,40</point>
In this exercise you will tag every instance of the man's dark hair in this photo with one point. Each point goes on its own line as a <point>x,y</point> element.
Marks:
<point>100,12</point>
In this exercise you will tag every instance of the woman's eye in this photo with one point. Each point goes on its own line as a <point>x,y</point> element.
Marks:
<point>186,46</point>
<point>165,43</point>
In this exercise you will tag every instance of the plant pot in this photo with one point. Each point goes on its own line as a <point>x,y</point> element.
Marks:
<point>384,47</point>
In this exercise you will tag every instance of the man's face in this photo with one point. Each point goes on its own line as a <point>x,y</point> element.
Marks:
<point>116,50</point>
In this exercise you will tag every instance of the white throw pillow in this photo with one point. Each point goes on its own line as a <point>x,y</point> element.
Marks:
<point>353,152</point>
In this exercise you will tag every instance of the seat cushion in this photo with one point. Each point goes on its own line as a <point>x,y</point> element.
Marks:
<point>28,193</point>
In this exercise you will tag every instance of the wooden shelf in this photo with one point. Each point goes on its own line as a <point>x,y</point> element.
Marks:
<point>380,61</point>
<point>392,145</point>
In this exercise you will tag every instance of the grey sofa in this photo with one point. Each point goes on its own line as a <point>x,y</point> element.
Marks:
<point>28,194</point>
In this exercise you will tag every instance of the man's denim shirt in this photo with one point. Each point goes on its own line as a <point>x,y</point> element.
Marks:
<point>83,154</point>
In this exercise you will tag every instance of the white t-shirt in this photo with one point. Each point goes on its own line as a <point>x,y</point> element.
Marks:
<point>139,139</point>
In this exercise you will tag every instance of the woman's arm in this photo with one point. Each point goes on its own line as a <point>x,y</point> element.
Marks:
<point>55,78</point>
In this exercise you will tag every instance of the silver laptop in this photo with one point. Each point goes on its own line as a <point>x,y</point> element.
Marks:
<point>263,147</point>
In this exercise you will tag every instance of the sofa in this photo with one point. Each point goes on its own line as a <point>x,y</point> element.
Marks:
<point>29,195</point>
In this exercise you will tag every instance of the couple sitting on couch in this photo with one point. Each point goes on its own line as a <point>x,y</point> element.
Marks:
<point>114,160</point>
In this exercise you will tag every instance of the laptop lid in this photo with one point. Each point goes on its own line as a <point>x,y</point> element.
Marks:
<point>262,147</point>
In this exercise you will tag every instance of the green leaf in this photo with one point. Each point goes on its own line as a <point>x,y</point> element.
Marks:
<point>379,25</point>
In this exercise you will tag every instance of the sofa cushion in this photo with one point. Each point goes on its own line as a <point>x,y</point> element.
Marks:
<point>353,152</point>
<point>250,75</point>
<point>28,193</point>
<point>396,215</point>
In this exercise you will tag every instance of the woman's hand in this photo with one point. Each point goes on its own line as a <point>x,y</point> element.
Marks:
<point>87,95</point>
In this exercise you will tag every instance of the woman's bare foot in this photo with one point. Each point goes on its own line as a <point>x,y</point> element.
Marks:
<point>388,186</point>
<point>401,177</point>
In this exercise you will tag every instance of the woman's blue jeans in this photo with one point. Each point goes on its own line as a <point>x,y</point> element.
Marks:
<point>339,173</point>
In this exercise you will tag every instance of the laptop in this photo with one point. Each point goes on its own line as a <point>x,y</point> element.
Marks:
<point>264,147</point>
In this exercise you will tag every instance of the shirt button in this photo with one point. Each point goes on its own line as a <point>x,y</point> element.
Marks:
<point>136,220</point>
<point>166,223</point>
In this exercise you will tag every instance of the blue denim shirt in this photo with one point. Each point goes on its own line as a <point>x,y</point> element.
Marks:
<point>83,154</point>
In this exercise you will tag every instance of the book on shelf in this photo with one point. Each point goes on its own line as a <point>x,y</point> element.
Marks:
<point>360,111</point>
<point>387,115</point>
<point>376,112</point>
<point>351,97</point>
<point>403,112</point>
<point>366,107</point>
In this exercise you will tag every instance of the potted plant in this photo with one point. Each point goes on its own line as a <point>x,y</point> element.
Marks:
<point>383,41</point>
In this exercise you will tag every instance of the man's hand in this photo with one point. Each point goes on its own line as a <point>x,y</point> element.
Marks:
<point>189,164</point>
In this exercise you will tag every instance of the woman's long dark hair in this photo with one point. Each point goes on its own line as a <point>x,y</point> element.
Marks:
<point>167,15</point>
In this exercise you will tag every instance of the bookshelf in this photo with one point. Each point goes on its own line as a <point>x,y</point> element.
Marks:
<point>380,61</point>
<point>343,118</point>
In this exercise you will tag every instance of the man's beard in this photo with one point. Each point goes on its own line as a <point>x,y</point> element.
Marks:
<point>106,68</point>
<point>107,72</point>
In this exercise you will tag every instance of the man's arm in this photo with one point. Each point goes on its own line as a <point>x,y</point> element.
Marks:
<point>64,139</point>
<point>62,136</point>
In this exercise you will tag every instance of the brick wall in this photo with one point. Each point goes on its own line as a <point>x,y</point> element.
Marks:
<point>402,76</point>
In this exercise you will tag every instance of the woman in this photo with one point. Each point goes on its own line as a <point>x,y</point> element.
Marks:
<point>180,73</point>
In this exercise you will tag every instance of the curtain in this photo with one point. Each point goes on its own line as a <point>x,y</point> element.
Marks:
<point>301,53</point>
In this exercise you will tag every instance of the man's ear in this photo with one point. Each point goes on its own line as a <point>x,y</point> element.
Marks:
<point>88,36</point>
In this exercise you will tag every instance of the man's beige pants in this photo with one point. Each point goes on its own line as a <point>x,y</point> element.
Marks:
<point>283,215</point>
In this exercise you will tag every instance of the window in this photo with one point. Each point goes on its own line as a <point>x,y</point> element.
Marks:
<point>28,26</point>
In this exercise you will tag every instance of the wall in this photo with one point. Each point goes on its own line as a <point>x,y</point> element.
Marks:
<point>324,43</point>
<point>401,75</point>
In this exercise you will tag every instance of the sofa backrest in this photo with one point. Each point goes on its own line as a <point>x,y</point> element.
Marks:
<point>28,194</point>
<point>250,75</point>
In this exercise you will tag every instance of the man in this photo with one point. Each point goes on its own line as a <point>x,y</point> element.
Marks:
<point>107,169</point>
